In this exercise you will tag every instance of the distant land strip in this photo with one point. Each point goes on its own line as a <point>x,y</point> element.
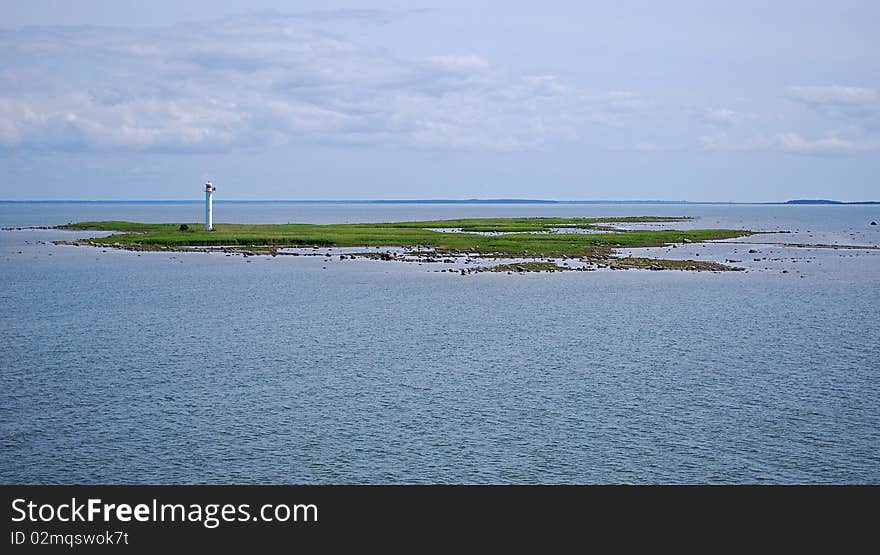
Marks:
<point>439,201</point>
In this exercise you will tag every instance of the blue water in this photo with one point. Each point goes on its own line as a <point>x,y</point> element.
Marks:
<point>121,367</point>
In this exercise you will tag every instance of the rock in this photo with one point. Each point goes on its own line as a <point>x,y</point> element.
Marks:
<point>873,222</point>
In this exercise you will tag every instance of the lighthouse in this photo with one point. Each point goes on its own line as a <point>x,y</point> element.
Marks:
<point>209,206</point>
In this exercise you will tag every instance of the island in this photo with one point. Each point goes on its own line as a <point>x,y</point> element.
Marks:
<point>827,201</point>
<point>513,245</point>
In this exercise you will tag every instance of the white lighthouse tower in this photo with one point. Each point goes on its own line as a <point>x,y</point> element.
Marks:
<point>209,206</point>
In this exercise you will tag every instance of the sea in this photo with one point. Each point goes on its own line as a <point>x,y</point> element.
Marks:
<point>121,367</point>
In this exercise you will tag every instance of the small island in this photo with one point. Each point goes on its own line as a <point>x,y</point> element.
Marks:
<point>488,244</point>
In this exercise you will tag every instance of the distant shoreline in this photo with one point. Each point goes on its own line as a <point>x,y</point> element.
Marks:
<point>796,202</point>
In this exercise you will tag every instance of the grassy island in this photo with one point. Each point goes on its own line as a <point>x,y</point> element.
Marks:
<point>592,240</point>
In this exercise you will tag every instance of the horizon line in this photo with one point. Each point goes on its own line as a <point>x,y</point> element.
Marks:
<point>428,201</point>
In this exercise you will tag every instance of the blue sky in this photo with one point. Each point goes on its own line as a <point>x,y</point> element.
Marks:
<point>726,101</point>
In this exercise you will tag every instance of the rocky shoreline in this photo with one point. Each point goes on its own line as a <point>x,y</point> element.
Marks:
<point>471,262</point>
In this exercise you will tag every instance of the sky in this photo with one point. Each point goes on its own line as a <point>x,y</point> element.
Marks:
<point>704,101</point>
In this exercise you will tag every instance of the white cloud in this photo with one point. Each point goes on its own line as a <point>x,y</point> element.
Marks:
<point>834,94</point>
<point>792,142</point>
<point>722,117</point>
<point>545,85</point>
<point>624,102</point>
<point>266,79</point>
<point>715,141</point>
<point>855,103</point>
<point>461,63</point>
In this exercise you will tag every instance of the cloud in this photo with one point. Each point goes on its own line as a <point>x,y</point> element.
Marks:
<point>623,102</point>
<point>268,79</point>
<point>460,63</point>
<point>834,94</point>
<point>545,85</point>
<point>792,142</point>
<point>358,15</point>
<point>722,117</point>
<point>838,101</point>
<point>618,111</point>
<point>647,147</point>
<point>715,141</point>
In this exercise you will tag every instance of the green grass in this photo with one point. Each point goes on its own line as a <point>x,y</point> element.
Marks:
<point>411,234</point>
